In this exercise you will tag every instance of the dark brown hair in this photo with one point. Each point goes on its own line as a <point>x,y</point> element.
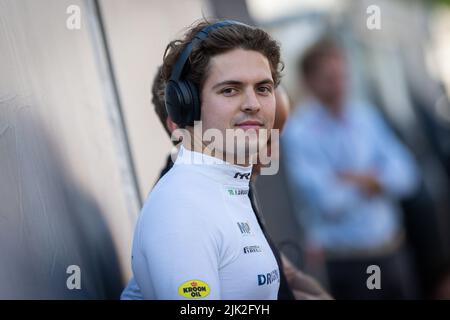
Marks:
<point>220,41</point>
<point>158,98</point>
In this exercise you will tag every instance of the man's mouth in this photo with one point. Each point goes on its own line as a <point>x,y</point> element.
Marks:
<point>250,124</point>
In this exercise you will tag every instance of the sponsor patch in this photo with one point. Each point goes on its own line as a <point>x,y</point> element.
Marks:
<point>244,227</point>
<point>194,289</point>
<point>268,278</point>
<point>251,249</point>
<point>237,192</point>
<point>239,175</point>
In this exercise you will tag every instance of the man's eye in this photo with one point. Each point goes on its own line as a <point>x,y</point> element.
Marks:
<point>264,89</point>
<point>229,91</point>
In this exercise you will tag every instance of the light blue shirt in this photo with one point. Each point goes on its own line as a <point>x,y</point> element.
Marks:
<point>337,214</point>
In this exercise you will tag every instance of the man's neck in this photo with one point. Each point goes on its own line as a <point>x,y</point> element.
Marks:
<point>222,155</point>
<point>199,146</point>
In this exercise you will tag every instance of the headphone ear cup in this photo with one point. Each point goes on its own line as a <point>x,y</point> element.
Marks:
<point>182,102</point>
<point>174,100</point>
<point>195,103</point>
<point>186,106</point>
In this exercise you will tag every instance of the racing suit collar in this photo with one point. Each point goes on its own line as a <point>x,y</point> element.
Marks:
<point>218,169</point>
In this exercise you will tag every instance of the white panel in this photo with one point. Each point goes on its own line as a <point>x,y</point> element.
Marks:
<point>64,186</point>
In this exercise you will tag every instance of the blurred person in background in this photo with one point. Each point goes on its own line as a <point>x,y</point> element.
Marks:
<point>350,170</point>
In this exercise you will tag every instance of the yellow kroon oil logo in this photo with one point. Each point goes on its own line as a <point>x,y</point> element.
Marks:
<point>194,289</point>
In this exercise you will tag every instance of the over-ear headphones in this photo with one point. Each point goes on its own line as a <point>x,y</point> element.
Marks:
<point>182,95</point>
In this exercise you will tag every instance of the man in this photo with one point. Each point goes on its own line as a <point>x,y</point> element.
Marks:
<point>349,170</point>
<point>132,290</point>
<point>197,236</point>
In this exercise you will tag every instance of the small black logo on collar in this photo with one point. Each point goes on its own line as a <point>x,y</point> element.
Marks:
<point>242,175</point>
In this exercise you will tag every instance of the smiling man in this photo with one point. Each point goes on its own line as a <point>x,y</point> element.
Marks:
<point>197,236</point>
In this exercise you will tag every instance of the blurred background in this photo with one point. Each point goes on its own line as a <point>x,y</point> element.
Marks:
<point>81,147</point>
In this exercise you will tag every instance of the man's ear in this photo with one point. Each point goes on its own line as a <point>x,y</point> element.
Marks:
<point>170,124</point>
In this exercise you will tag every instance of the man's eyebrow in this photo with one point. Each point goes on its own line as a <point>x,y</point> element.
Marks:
<point>266,81</point>
<point>228,82</point>
<point>240,83</point>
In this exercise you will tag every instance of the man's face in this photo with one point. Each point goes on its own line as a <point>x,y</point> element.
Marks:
<point>329,81</point>
<point>238,93</point>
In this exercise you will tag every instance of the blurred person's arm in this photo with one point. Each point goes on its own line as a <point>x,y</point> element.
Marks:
<point>395,167</point>
<point>366,182</point>
<point>311,174</point>
<point>303,286</point>
<point>394,171</point>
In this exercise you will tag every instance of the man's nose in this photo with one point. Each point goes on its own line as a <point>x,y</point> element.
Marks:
<point>251,102</point>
